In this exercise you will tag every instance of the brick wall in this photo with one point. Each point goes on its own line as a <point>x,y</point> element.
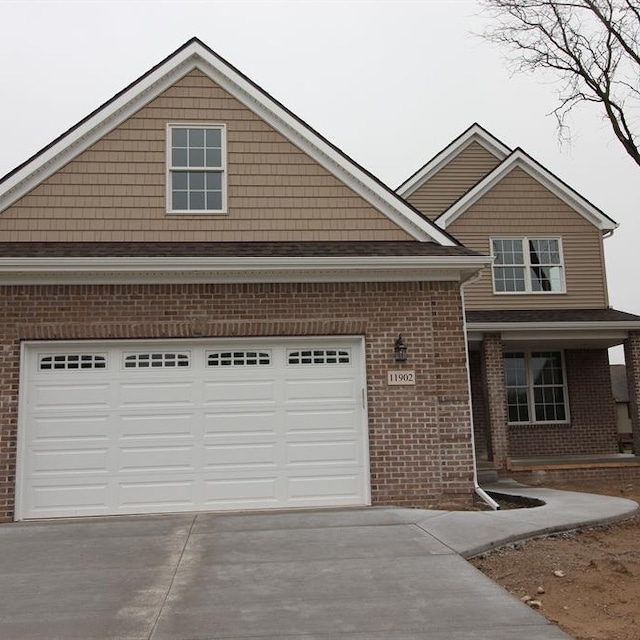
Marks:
<point>481,431</point>
<point>420,445</point>
<point>592,429</point>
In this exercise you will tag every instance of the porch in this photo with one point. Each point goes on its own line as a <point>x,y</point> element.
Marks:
<point>541,391</point>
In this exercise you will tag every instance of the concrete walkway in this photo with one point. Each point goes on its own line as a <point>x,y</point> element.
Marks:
<point>357,574</point>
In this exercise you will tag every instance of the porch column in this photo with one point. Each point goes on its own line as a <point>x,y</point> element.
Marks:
<point>632,360</point>
<point>493,366</point>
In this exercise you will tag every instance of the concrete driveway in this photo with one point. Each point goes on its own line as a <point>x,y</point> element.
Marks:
<point>367,574</point>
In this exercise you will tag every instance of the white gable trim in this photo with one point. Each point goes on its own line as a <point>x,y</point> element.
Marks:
<point>475,133</point>
<point>192,56</point>
<point>519,159</point>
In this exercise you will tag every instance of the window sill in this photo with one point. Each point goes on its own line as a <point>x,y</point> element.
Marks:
<point>196,214</point>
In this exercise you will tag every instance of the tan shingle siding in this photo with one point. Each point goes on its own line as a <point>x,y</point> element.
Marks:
<point>453,180</point>
<point>520,206</point>
<point>115,190</point>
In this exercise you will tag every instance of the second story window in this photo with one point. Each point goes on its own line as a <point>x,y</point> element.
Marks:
<point>196,159</point>
<point>527,265</point>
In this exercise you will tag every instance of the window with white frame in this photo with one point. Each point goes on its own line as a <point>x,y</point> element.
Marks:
<point>196,162</point>
<point>527,265</point>
<point>535,386</point>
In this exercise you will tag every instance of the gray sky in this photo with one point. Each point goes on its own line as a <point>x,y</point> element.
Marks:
<point>389,82</point>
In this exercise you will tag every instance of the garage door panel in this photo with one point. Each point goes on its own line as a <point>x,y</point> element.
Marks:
<point>158,459</point>
<point>309,490</point>
<point>148,495</point>
<point>145,394</point>
<point>245,392</point>
<point>322,453</point>
<point>69,499</point>
<point>254,455</point>
<point>260,492</point>
<point>72,397</point>
<point>70,460</point>
<point>52,430</point>
<point>320,390</point>
<point>199,427</point>
<point>241,423</point>
<point>321,421</point>
<point>149,426</point>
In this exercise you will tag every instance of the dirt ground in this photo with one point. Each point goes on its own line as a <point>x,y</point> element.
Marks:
<point>587,582</point>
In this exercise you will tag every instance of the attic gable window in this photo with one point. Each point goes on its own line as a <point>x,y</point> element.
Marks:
<point>196,168</point>
<point>527,265</point>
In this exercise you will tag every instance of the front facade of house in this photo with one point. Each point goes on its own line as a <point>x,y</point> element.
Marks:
<point>200,303</point>
<point>538,320</point>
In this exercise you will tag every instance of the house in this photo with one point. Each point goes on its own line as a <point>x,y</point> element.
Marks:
<point>208,306</point>
<point>538,319</point>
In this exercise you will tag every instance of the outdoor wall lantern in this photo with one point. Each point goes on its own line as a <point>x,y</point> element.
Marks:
<point>400,349</point>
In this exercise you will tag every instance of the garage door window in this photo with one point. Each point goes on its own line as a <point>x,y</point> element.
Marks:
<point>238,358</point>
<point>319,356</point>
<point>71,361</point>
<point>155,360</point>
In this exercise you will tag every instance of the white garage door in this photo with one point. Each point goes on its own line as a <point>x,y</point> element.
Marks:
<point>185,426</point>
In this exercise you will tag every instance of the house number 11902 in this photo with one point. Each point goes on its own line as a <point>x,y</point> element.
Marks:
<point>401,377</point>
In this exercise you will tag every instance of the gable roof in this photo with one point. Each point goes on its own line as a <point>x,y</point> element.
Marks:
<point>475,133</point>
<point>519,159</point>
<point>194,54</point>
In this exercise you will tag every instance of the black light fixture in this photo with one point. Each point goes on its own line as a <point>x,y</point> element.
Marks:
<point>400,350</point>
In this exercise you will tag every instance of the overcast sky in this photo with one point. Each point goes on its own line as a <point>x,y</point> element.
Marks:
<point>389,82</point>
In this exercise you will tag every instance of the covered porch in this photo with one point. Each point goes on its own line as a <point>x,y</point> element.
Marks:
<point>541,389</point>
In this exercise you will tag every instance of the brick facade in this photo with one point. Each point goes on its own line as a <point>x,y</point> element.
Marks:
<point>592,428</point>
<point>632,361</point>
<point>420,444</point>
<point>481,430</point>
<point>494,385</point>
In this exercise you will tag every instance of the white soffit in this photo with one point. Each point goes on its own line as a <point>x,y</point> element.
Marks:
<point>519,159</point>
<point>475,133</point>
<point>192,55</point>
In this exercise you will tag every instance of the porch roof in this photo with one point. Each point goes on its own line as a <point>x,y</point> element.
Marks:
<point>564,328</point>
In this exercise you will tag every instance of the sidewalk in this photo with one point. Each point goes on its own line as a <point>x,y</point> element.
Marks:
<point>469,533</point>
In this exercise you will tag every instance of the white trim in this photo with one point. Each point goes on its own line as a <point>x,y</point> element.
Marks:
<point>169,168</point>
<point>137,270</point>
<point>531,389</point>
<point>356,341</point>
<point>527,266</point>
<point>475,133</point>
<point>193,56</point>
<point>519,159</point>
<point>560,327</point>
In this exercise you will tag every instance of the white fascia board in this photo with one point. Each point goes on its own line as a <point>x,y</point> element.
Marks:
<point>184,61</point>
<point>139,270</point>
<point>475,133</point>
<point>538,328</point>
<point>522,161</point>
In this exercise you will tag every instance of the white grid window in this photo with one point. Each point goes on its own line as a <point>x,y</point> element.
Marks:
<point>527,265</point>
<point>196,159</point>
<point>319,356</point>
<point>158,360</point>
<point>535,384</point>
<point>71,361</point>
<point>238,358</point>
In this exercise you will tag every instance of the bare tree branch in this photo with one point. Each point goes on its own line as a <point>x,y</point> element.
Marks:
<point>592,48</point>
